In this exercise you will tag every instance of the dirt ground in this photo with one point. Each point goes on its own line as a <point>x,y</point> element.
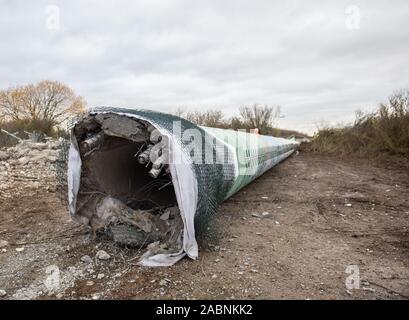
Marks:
<point>291,234</point>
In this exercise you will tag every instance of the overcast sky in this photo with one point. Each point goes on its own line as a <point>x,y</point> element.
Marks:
<point>319,60</point>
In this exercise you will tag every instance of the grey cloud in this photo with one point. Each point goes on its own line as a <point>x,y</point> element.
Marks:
<point>213,54</point>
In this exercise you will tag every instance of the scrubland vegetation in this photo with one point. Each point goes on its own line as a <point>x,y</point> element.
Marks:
<point>385,131</point>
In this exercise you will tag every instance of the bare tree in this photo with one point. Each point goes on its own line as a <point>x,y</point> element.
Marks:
<point>209,118</point>
<point>259,117</point>
<point>236,123</point>
<point>398,103</point>
<point>11,103</point>
<point>49,101</point>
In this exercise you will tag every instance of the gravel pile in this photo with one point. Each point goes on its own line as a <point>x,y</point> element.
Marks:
<point>28,167</point>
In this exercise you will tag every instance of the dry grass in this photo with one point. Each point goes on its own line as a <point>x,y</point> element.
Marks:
<point>22,126</point>
<point>385,131</point>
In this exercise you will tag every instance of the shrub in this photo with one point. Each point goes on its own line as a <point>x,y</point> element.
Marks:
<point>384,131</point>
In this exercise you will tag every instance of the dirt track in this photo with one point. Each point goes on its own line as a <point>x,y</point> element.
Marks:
<point>289,235</point>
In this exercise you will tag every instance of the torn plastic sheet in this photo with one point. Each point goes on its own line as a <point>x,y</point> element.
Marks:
<point>206,166</point>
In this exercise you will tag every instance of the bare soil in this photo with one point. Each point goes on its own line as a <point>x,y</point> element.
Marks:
<point>291,234</point>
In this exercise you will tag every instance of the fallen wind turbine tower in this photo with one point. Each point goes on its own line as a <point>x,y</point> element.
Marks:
<point>150,179</point>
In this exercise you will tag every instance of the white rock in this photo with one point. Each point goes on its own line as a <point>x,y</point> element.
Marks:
<point>3,293</point>
<point>101,276</point>
<point>103,255</point>
<point>4,155</point>
<point>54,145</point>
<point>3,243</point>
<point>39,158</point>
<point>165,216</point>
<point>38,145</point>
<point>86,259</point>
<point>34,153</point>
<point>35,185</point>
<point>52,158</point>
<point>23,161</point>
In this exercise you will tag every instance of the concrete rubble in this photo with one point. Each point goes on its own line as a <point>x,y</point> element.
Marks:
<point>3,243</point>
<point>27,167</point>
<point>103,255</point>
<point>126,193</point>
